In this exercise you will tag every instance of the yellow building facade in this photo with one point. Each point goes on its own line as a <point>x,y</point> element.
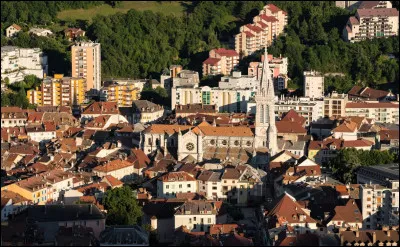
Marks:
<point>57,91</point>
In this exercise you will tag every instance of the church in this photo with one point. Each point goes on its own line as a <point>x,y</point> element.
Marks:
<point>206,142</point>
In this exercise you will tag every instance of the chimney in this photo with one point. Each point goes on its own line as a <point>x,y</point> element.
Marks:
<point>387,233</point>
<point>357,234</point>
<point>374,237</point>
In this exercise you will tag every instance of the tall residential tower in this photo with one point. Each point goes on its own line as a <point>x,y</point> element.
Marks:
<point>86,63</point>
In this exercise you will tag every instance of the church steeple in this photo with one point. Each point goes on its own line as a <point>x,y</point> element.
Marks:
<point>266,133</point>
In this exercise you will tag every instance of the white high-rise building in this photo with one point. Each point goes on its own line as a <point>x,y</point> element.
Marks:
<point>16,63</point>
<point>86,63</point>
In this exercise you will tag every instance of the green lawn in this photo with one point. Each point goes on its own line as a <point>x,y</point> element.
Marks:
<point>170,7</point>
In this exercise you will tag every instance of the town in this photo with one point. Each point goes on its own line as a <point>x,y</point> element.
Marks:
<point>243,148</point>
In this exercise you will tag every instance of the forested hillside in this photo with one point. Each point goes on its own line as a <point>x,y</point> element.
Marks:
<point>140,44</point>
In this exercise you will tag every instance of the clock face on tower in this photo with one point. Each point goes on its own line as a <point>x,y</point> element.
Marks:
<point>263,131</point>
<point>190,146</point>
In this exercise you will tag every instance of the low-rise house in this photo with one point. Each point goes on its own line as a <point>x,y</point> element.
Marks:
<point>105,121</point>
<point>120,169</point>
<point>289,212</point>
<point>190,109</point>
<point>160,214</point>
<point>369,94</point>
<point>43,133</point>
<point>322,151</point>
<point>389,140</point>
<point>40,32</point>
<point>13,117</point>
<point>197,216</point>
<point>99,109</point>
<point>14,204</point>
<point>58,181</point>
<point>112,181</point>
<point>73,33</point>
<point>12,30</point>
<point>243,184</point>
<point>295,147</point>
<point>209,182</point>
<point>290,130</point>
<point>144,111</point>
<point>346,216</point>
<point>175,182</point>
<point>346,131</point>
<point>33,188</point>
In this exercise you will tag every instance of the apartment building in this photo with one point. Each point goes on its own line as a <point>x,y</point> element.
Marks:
<point>266,26</point>
<point>280,15</point>
<point>310,109</point>
<point>13,117</point>
<point>335,104</point>
<point>250,39</point>
<point>86,63</point>
<point>383,112</point>
<point>209,183</point>
<point>226,99</point>
<point>220,61</point>
<point>239,81</point>
<point>196,216</point>
<point>176,182</point>
<point>58,91</point>
<point>16,63</point>
<point>372,23</point>
<point>313,84</point>
<point>379,206</point>
<point>123,94</point>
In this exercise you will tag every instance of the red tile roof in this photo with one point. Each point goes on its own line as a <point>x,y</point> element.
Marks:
<point>49,126</point>
<point>273,8</point>
<point>287,210</point>
<point>353,20</point>
<point>372,105</point>
<point>98,122</point>
<point>263,25</point>
<point>226,52</point>
<point>176,176</point>
<point>346,126</point>
<point>35,117</point>
<point>212,61</point>
<point>386,135</point>
<point>102,108</point>
<point>378,12</point>
<point>269,18</point>
<point>223,228</point>
<point>319,145</point>
<point>112,181</point>
<point>113,166</point>
<point>369,93</point>
<point>142,160</point>
<point>293,116</point>
<point>357,143</point>
<point>254,28</point>
<point>290,127</point>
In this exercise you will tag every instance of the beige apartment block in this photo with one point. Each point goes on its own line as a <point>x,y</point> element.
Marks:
<point>220,61</point>
<point>86,63</point>
<point>372,23</point>
<point>282,16</point>
<point>335,105</point>
<point>313,84</point>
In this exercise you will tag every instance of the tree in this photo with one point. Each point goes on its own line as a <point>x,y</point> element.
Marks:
<point>21,100</point>
<point>348,160</point>
<point>122,207</point>
<point>5,99</point>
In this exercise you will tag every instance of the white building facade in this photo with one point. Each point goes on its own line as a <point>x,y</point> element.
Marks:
<point>16,63</point>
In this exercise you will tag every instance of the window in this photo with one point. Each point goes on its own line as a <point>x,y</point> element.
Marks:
<point>188,185</point>
<point>180,186</point>
<point>190,220</point>
<point>194,218</point>
<point>209,220</point>
<point>214,187</point>
<point>167,186</point>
